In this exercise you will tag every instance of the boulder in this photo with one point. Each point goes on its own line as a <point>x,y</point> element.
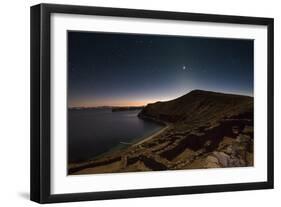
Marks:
<point>243,138</point>
<point>222,157</point>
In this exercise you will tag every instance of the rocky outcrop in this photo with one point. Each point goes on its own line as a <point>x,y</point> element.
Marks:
<point>232,153</point>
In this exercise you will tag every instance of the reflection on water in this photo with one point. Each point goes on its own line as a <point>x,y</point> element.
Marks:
<point>96,131</point>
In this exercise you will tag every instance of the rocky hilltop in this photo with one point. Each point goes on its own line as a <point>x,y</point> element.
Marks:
<point>203,130</point>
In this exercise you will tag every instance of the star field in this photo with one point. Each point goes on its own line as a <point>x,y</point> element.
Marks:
<point>131,69</point>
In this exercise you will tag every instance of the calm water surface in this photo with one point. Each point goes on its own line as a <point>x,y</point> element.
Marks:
<point>96,131</point>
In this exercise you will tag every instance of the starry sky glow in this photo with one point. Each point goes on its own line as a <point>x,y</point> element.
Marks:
<point>112,69</point>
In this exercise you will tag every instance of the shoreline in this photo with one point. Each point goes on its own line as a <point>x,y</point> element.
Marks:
<point>145,139</point>
<point>114,152</point>
<point>118,149</point>
<point>151,136</point>
<point>138,141</point>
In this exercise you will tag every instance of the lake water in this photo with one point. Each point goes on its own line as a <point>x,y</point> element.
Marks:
<point>96,131</point>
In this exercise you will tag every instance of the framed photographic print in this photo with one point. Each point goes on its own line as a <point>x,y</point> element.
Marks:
<point>132,103</point>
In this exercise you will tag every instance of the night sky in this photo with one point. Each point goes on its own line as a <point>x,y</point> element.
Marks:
<point>112,69</point>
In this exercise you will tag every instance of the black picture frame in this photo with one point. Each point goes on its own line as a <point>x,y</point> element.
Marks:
<point>41,95</point>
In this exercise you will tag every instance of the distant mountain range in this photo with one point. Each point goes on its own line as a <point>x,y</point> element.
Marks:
<point>126,108</point>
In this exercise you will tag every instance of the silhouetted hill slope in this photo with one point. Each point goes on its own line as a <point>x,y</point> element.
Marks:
<point>199,105</point>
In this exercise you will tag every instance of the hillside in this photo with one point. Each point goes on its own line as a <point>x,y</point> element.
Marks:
<point>199,105</point>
